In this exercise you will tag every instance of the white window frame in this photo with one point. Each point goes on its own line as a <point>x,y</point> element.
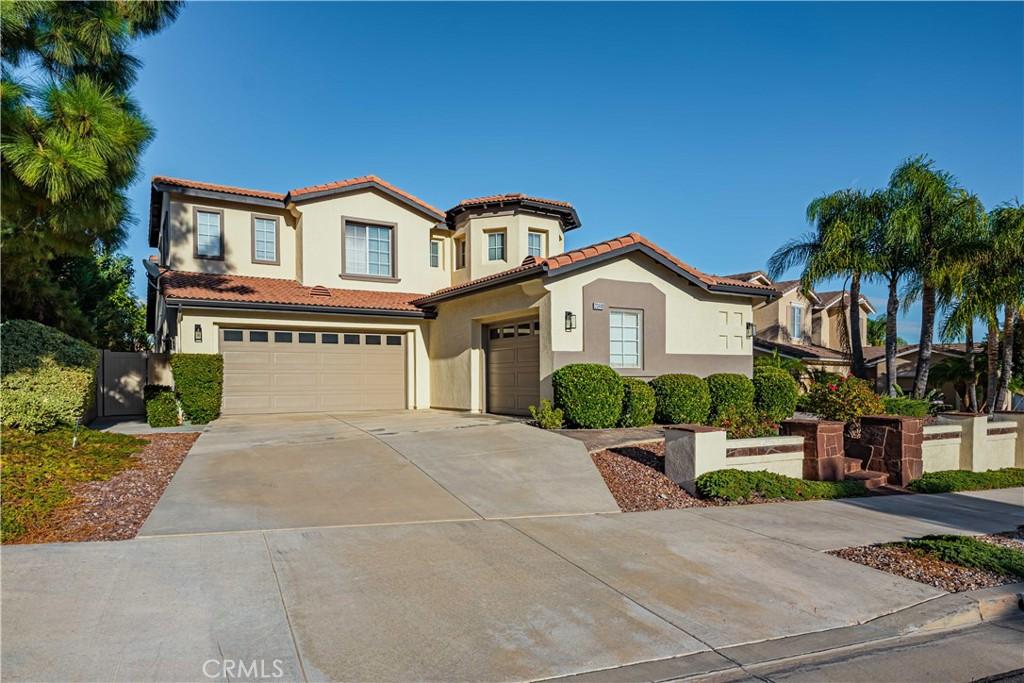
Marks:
<point>435,254</point>
<point>619,360</point>
<point>796,331</point>
<point>493,249</point>
<point>540,243</point>
<point>199,233</point>
<point>261,241</point>
<point>366,242</point>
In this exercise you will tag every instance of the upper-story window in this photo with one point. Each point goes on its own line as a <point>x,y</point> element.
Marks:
<point>369,250</point>
<point>625,336</point>
<point>209,234</point>
<point>264,239</point>
<point>535,244</point>
<point>796,321</point>
<point>435,253</point>
<point>460,252</point>
<point>496,246</point>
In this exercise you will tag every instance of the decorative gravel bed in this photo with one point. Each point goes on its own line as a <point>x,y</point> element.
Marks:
<point>635,475</point>
<point>115,509</point>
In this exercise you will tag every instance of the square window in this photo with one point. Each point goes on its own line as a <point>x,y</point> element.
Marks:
<point>307,338</point>
<point>351,338</point>
<point>373,339</point>
<point>283,337</point>
<point>209,237</point>
<point>367,250</point>
<point>233,335</point>
<point>394,340</point>
<point>625,337</point>
<point>264,239</point>
<point>258,336</point>
<point>496,246</point>
<point>328,338</point>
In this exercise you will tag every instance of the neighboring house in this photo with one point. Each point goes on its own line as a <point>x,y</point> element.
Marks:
<point>906,367</point>
<point>358,295</point>
<point>811,327</point>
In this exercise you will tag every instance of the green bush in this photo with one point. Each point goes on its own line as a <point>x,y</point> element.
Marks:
<point>730,393</point>
<point>681,399</point>
<point>775,392</point>
<point>198,380</point>
<point>737,485</point>
<point>906,406</point>
<point>638,403</point>
<point>845,399</point>
<point>967,551</point>
<point>745,424</point>
<point>961,480</point>
<point>547,416</point>
<point>161,406</point>
<point>47,379</point>
<point>590,395</point>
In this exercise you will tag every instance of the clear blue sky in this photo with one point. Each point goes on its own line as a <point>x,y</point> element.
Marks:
<point>706,127</point>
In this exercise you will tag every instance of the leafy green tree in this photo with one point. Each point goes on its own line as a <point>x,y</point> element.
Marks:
<point>1007,225</point>
<point>71,139</point>
<point>876,331</point>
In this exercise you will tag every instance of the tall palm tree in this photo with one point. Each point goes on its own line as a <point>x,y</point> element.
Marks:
<point>839,246</point>
<point>892,262</point>
<point>934,216</point>
<point>1007,225</point>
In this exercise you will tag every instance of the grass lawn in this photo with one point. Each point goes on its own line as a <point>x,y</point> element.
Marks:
<point>960,480</point>
<point>969,552</point>
<point>39,471</point>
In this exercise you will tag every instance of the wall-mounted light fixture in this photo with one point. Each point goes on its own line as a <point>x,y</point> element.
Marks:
<point>751,330</point>
<point>199,334</point>
<point>570,321</point>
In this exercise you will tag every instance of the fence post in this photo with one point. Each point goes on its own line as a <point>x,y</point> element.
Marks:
<point>823,447</point>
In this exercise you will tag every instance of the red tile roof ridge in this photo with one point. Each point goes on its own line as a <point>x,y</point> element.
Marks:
<point>370,178</point>
<point>512,196</point>
<point>214,187</point>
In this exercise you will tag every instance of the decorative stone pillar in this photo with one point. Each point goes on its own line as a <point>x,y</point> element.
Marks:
<point>823,447</point>
<point>692,450</point>
<point>890,444</point>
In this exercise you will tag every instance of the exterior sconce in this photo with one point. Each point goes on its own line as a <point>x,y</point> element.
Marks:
<point>199,334</point>
<point>751,330</point>
<point>570,321</point>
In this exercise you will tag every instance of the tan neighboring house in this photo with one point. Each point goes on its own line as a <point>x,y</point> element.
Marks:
<point>810,327</point>
<point>358,295</point>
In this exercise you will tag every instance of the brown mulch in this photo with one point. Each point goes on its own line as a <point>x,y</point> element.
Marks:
<point>635,475</point>
<point>917,566</point>
<point>115,509</point>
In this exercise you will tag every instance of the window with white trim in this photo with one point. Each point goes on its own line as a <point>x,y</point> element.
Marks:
<point>625,336</point>
<point>264,235</point>
<point>496,246</point>
<point>796,321</point>
<point>208,234</point>
<point>535,244</point>
<point>435,253</point>
<point>367,250</point>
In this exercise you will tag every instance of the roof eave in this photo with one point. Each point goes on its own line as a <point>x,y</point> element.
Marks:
<point>368,185</point>
<point>163,186</point>
<point>507,279</point>
<point>295,308</point>
<point>567,214</point>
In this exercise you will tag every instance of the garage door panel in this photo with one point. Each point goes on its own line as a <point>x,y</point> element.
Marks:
<point>513,368</point>
<point>241,381</point>
<point>292,380</point>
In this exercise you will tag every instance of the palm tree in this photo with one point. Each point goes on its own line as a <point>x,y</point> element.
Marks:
<point>933,217</point>
<point>1007,225</point>
<point>892,261</point>
<point>839,246</point>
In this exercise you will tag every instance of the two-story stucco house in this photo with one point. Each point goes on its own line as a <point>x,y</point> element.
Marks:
<point>358,295</point>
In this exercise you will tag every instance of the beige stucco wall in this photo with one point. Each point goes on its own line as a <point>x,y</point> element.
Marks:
<point>516,225</point>
<point>772,318</point>
<point>322,237</point>
<point>939,455</point>
<point>689,454</point>
<point>212,321</point>
<point>237,239</point>
<point>1017,418</point>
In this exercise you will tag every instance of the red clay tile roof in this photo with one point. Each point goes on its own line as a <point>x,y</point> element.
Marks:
<point>340,184</point>
<point>198,185</point>
<point>178,284</point>
<point>802,351</point>
<point>626,242</point>
<point>511,197</point>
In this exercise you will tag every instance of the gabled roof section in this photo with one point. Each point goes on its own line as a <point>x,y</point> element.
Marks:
<point>829,299</point>
<point>363,183</point>
<point>811,352</point>
<point>752,276</point>
<point>787,286</point>
<point>592,255</point>
<point>182,183</point>
<point>563,210</point>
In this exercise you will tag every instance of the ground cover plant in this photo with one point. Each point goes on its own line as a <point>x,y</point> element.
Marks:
<point>968,551</point>
<point>39,471</point>
<point>962,480</point>
<point>743,485</point>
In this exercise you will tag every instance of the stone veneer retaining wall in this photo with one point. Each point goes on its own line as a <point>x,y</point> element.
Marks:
<point>890,444</point>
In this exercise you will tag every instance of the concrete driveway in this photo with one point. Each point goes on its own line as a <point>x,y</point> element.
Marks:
<point>318,470</point>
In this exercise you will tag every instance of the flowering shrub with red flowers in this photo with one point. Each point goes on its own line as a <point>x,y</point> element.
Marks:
<point>847,399</point>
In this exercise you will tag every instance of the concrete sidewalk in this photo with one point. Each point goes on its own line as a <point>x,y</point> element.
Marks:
<point>466,600</point>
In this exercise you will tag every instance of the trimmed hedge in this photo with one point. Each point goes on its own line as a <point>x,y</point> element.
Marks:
<point>775,392</point>
<point>730,393</point>
<point>681,399</point>
<point>590,395</point>
<point>198,380</point>
<point>962,480</point>
<point>737,485</point>
<point>47,378</point>
<point>906,406</point>
<point>161,406</point>
<point>638,403</point>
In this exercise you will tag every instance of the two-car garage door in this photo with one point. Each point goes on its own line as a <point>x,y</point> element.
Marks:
<point>284,371</point>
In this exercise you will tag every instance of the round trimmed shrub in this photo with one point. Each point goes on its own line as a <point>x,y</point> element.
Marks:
<point>637,403</point>
<point>589,394</point>
<point>730,393</point>
<point>775,392</point>
<point>681,399</point>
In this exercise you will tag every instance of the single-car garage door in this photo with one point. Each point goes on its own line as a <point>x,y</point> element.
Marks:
<point>282,371</point>
<point>513,367</point>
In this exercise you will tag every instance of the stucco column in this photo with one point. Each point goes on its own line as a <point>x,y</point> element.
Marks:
<point>1016,416</point>
<point>692,450</point>
<point>973,435</point>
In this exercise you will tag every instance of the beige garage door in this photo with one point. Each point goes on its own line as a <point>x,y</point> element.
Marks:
<point>281,371</point>
<point>513,367</point>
